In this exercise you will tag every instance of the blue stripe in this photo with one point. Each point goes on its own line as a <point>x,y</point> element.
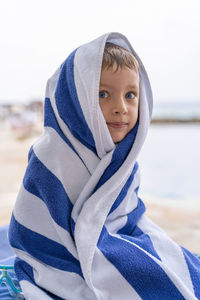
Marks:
<point>143,274</point>
<point>133,233</point>
<point>42,248</point>
<point>193,264</point>
<point>124,190</point>
<point>42,183</point>
<point>141,239</point>
<point>68,104</point>
<point>25,272</point>
<point>50,121</point>
<point>136,190</point>
<point>119,155</point>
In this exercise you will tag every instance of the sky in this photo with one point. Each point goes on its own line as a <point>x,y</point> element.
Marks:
<point>37,36</point>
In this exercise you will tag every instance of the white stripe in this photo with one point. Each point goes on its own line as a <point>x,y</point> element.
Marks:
<point>31,212</point>
<point>32,292</point>
<point>67,285</point>
<point>62,161</point>
<point>108,281</point>
<point>169,252</point>
<point>115,225</point>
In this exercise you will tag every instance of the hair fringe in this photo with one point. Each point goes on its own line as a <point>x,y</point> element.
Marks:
<point>115,55</point>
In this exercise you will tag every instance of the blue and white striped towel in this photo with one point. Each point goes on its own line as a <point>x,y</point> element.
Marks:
<point>78,227</point>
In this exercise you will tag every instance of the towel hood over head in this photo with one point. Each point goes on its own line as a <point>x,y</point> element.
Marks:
<point>76,95</point>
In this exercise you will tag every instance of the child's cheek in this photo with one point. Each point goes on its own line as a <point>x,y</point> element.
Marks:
<point>104,109</point>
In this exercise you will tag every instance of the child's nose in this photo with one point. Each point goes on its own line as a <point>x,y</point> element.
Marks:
<point>119,106</point>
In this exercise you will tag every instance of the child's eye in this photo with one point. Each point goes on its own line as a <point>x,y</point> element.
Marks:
<point>130,95</point>
<point>103,94</point>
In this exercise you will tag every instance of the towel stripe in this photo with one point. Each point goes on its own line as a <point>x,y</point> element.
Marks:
<point>37,173</point>
<point>125,189</point>
<point>68,104</point>
<point>32,291</point>
<point>54,280</point>
<point>25,272</point>
<point>61,167</point>
<point>169,252</point>
<point>141,239</point>
<point>45,225</point>
<point>194,269</point>
<point>106,288</point>
<point>132,218</point>
<point>119,216</point>
<point>50,121</point>
<point>145,272</point>
<point>42,248</point>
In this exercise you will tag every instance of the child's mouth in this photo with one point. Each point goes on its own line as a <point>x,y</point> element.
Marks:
<point>117,124</point>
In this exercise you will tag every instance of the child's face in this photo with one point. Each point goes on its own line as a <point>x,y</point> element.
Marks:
<point>119,100</point>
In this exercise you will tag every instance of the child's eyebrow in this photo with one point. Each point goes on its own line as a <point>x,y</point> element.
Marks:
<point>105,85</point>
<point>132,86</point>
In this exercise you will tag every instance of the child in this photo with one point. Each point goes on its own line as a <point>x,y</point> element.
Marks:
<point>78,227</point>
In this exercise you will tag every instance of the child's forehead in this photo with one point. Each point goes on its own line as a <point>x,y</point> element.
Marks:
<point>116,67</point>
<point>123,77</point>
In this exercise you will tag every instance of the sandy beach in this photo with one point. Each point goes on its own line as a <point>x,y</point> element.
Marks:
<point>178,219</point>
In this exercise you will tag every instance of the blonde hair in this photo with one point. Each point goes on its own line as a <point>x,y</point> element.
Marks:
<point>115,55</point>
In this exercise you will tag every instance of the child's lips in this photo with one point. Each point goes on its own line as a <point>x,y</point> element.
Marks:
<point>119,125</point>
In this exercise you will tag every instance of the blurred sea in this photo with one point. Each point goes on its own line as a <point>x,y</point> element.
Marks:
<point>170,162</point>
<point>181,110</point>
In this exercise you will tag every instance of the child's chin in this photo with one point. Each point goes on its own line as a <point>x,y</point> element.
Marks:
<point>117,134</point>
<point>118,139</point>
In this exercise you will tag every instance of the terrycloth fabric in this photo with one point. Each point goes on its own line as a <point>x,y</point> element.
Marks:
<point>78,226</point>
